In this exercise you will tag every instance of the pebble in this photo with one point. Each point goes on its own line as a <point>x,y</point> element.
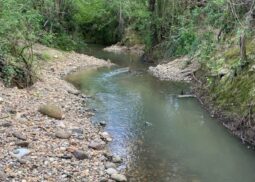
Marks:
<point>66,156</point>
<point>78,131</point>
<point>22,144</point>
<point>6,125</point>
<point>22,161</point>
<point>51,110</point>
<point>104,180</point>
<point>105,136</point>
<point>1,100</point>
<point>102,123</point>
<point>19,153</point>
<point>61,125</point>
<point>80,155</point>
<point>97,145</point>
<point>3,176</point>
<point>109,165</point>
<point>118,177</point>
<point>19,136</point>
<point>111,171</point>
<point>62,134</point>
<point>108,155</point>
<point>116,159</point>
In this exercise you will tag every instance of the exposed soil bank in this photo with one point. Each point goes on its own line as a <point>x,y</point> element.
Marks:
<point>136,49</point>
<point>50,149</point>
<point>188,70</point>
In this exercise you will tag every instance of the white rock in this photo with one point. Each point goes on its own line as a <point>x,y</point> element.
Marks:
<point>118,177</point>
<point>111,171</point>
<point>1,100</point>
<point>116,159</point>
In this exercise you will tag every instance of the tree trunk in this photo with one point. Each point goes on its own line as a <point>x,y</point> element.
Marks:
<point>121,22</point>
<point>154,33</point>
<point>152,4</point>
<point>243,54</point>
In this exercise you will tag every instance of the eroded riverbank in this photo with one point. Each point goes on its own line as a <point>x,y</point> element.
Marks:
<point>35,147</point>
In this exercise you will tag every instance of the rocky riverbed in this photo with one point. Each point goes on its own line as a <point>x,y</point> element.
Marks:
<point>45,130</point>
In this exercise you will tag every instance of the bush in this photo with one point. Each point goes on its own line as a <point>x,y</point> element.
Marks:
<point>20,26</point>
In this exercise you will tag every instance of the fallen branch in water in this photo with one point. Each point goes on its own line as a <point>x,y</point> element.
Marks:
<point>186,96</point>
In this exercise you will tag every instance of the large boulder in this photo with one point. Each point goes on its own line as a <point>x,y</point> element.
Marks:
<point>52,111</point>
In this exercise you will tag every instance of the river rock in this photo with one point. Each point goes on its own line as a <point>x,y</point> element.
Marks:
<point>111,171</point>
<point>97,144</point>
<point>1,100</point>
<point>118,177</point>
<point>105,136</point>
<point>6,124</point>
<point>19,135</point>
<point>62,134</point>
<point>116,159</point>
<point>80,155</point>
<point>19,153</point>
<point>3,176</point>
<point>104,179</point>
<point>22,161</point>
<point>102,123</point>
<point>22,144</point>
<point>74,92</point>
<point>108,155</point>
<point>66,156</point>
<point>52,111</point>
<point>110,165</point>
<point>61,124</point>
<point>78,131</point>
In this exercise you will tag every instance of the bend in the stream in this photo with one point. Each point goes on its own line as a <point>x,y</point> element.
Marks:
<point>162,137</point>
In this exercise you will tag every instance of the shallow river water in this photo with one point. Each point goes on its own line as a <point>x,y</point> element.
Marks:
<point>162,138</point>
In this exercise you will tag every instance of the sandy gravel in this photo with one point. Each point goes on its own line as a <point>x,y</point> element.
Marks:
<point>50,158</point>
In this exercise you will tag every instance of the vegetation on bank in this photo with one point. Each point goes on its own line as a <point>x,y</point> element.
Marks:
<point>218,33</point>
<point>64,24</point>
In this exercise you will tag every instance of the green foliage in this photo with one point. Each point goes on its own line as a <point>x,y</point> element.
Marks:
<point>174,28</point>
<point>20,26</point>
<point>64,42</point>
<point>105,21</point>
<point>183,43</point>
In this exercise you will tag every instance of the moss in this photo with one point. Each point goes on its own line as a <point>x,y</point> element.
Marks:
<point>232,53</point>
<point>131,38</point>
<point>234,92</point>
<point>45,56</point>
<point>251,47</point>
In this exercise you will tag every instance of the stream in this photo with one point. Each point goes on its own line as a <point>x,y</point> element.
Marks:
<point>161,137</point>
